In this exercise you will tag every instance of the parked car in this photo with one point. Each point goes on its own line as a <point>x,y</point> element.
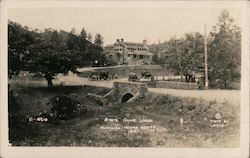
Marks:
<point>95,75</point>
<point>146,74</point>
<point>133,77</point>
<point>104,75</point>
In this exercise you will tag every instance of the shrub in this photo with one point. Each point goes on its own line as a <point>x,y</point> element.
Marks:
<point>19,126</point>
<point>64,108</point>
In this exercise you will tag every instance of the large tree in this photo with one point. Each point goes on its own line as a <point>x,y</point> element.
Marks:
<point>48,57</point>
<point>224,55</point>
<point>183,55</point>
<point>50,52</point>
<point>94,52</point>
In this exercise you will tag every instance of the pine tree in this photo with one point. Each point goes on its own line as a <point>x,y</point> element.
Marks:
<point>98,39</point>
<point>89,37</point>
<point>83,34</point>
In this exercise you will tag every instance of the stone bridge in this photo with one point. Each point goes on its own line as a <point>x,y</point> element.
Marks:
<point>123,92</point>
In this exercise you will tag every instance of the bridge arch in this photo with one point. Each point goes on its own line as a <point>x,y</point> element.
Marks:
<point>126,97</point>
<point>123,92</point>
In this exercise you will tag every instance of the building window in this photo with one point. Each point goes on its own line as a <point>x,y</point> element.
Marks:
<point>141,56</point>
<point>134,56</point>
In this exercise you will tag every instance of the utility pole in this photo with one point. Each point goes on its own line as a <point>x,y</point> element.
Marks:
<point>123,54</point>
<point>205,49</point>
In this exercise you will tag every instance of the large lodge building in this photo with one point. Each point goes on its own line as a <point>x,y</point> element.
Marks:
<point>129,52</point>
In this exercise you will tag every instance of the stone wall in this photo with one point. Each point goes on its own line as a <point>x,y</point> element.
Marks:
<point>176,85</point>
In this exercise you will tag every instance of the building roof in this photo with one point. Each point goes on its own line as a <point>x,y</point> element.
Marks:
<point>128,44</point>
<point>134,44</point>
<point>131,45</point>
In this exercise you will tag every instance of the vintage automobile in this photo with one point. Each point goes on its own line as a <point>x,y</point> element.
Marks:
<point>104,75</point>
<point>133,77</point>
<point>95,75</point>
<point>146,74</point>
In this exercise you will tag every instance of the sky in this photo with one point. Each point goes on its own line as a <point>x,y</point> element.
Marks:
<point>130,23</point>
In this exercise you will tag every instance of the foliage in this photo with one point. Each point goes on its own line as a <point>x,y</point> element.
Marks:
<point>51,52</point>
<point>98,39</point>
<point>83,34</point>
<point>48,56</point>
<point>64,107</point>
<point>224,57</point>
<point>13,106</point>
<point>157,50</point>
<point>89,37</point>
<point>19,126</point>
<point>183,55</point>
<point>14,63</point>
<point>19,38</point>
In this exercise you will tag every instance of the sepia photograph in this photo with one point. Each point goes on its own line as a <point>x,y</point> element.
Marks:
<point>126,75</point>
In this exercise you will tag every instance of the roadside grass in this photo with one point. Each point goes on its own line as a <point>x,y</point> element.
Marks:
<point>166,112</point>
<point>124,71</point>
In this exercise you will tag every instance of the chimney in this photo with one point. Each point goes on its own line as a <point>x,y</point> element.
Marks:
<point>144,42</point>
<point>122,40</point>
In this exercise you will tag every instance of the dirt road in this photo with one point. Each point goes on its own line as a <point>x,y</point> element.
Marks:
<point>230,96</point>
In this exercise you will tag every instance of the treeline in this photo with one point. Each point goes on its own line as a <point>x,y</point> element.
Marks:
<point>185,55</point>
<point>49,52</point>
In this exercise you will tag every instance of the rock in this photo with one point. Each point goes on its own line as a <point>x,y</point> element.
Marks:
<point>218,116</point>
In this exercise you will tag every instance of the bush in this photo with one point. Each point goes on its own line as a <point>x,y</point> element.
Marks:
<point>19,126</point>
<point>64,108</point>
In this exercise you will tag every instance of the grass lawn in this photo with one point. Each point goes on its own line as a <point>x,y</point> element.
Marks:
<point>123,71</point>
<point>199,128</point>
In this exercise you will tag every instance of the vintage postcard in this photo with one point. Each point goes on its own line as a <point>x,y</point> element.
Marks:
<point>125,79</point>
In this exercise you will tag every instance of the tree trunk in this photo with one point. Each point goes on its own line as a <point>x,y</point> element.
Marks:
<point>50,84</point>
<point>49,80</point>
